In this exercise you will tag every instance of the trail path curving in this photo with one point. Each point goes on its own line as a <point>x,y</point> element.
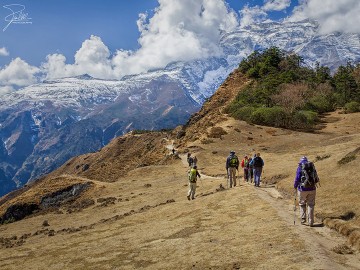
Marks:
<point>319,241</point>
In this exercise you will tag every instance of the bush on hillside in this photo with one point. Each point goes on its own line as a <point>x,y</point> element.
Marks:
<point>275,117</point>
<point>217,132</point>
<point>304,120</point>
<point>321,104</point>
<point>285,93</point>
<point>242,113</point>
<point>352,107</point>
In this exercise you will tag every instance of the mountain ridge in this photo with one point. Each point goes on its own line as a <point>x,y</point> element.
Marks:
<point>48,119</point>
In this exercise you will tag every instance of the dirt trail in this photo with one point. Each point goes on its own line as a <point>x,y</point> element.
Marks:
<point>318,240</point>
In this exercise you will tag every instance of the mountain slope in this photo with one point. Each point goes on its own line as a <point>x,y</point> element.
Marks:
<point>43,125</point>
<point>139,217</point>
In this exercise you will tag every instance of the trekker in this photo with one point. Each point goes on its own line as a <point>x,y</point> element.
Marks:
<point>258,164</point>
<point>195,161</point>
<point>232,164</point>
<point>245,166</point>
<point>193,174</point>
<point>305,182</point>
<point>250,171</point>
<point>190,160</point>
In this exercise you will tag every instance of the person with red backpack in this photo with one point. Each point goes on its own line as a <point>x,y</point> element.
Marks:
<point>245,166</point>
<point>305,182</point>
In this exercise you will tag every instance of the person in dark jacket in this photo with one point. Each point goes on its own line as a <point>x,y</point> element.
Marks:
<point>190,160</point>
<point>232,165</point>
<point>305,183</point>
<point>258,163</point>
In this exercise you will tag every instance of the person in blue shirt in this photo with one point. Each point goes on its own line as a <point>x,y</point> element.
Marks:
<point>258,163</point>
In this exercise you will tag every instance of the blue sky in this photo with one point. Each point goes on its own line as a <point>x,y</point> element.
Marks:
<point>109,38</point>
<point>62,25</point>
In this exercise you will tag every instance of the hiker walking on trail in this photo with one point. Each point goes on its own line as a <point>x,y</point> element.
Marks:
<point>195,161</point>
<point>258,164</point>
<point>305,182</point>
<point>250,171</point>
<point>232,165</point>
<point>193,174</point>
<point>245,166</point>
<point>190,160</point>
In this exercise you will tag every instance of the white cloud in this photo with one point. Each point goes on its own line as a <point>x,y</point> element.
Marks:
<point>4,52</point>
<point>92,58</point>
<point>332,16</point>
<point>178,31</point>
<point>276,5</point>
<point>251,15</point>
<point>6,89</point>
<point>18,73</point>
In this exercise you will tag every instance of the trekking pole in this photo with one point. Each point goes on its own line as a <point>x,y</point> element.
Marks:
<point>295,206</point>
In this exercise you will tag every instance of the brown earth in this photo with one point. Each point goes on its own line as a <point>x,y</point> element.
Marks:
<point>135,214</point>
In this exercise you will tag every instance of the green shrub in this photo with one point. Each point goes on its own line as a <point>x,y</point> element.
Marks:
<point>304,119</point>
<point>352,107</point>
<point>274,116</point>
<point>244,113</point>
<point>321,103</point>
<point>346,159</point>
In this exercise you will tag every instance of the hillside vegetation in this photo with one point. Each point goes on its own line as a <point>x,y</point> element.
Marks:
<point>285,93</point>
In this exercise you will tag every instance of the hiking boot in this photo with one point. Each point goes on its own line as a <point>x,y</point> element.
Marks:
<point>193,198</point>
<point>303,222</point>
<point>188,197</point>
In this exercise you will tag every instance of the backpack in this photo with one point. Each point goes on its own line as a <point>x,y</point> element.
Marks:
<point>234,161</point>
<point>308,174</point>
<point>250,165</point>
<point>192,175</point>
<point>246,163</point>
<point>257,162</point>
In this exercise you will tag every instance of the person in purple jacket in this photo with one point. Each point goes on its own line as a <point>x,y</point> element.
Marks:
<point>305,182</point>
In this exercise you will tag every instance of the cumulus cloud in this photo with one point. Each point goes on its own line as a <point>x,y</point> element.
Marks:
<point>251,15</point>
<point>276,5</point>
<point>4,52</point>
<point>178,31</point>
<point>257,14</point>
<point>332,16</point>
<point>92,58</point>
<point>6,89</point>
<point>18,73</point>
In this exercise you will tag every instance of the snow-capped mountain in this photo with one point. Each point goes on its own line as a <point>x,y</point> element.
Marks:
<point>43,125</point>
